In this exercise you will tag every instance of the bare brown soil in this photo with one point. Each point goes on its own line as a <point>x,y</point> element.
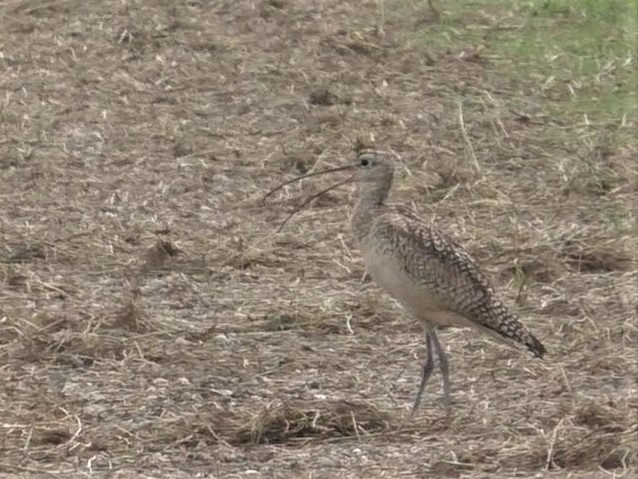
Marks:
<point>153,325</point>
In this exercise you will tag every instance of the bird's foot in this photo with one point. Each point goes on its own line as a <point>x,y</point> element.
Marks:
<point>446,401</point>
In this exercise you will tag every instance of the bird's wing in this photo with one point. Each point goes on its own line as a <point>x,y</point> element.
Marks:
<point>438,259</point>
<point>445,269</point>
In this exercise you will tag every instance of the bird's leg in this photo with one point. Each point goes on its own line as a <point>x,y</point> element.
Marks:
<point>426,372</point>
<point>445,368</point>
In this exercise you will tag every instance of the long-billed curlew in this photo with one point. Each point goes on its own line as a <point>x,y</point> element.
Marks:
<point>426,271</point>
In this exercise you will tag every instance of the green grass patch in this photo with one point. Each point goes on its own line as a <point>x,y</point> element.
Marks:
<point>579,55</point>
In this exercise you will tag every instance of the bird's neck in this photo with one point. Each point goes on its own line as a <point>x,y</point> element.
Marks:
<point>371,198</point>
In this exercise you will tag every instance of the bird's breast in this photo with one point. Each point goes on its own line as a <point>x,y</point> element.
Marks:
<point>420,295</point>
<point>389,271</point>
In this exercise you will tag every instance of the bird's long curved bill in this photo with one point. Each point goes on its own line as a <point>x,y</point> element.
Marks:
<point>309,175</point>
<point>310,199</point>
<point>313,197</point>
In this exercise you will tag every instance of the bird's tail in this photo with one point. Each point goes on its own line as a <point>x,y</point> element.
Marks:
<point>507,326</point>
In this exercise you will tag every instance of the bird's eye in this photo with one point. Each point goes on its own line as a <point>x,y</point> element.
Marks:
<point>365,162</point>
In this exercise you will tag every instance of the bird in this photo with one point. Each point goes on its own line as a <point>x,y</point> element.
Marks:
<point>421,267</point>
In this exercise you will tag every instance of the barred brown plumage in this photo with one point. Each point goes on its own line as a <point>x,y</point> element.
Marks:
<point>426,271</point>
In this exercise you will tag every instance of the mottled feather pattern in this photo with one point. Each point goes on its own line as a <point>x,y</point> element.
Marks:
<point>444,269</point>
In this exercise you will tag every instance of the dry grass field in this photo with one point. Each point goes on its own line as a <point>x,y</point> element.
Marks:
<point>154,325</point>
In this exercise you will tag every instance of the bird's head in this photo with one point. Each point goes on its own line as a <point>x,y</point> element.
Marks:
<point>373,166</point>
